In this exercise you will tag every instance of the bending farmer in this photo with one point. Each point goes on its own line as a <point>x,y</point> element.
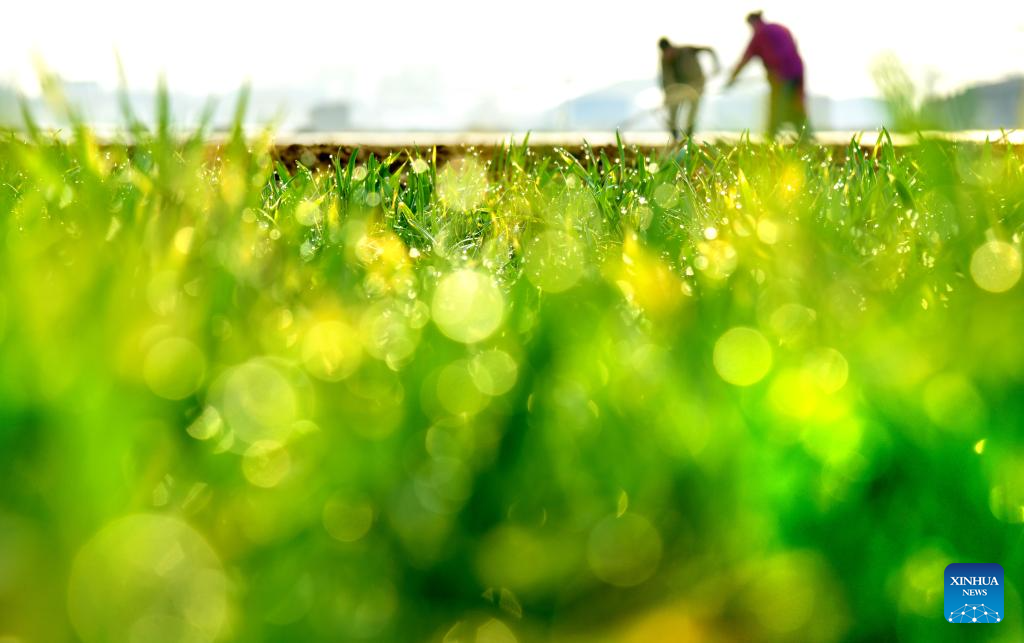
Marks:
<point>777,49</point>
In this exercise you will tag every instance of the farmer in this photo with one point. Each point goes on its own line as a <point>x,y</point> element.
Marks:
<point>776,48</point>
<point>683,81</point>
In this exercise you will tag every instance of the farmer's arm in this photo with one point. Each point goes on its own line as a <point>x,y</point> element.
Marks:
<point>747,55</point>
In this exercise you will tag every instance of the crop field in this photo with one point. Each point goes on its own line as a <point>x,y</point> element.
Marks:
<point>727,393</point>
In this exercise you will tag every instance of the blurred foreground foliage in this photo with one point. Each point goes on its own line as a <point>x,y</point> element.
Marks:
<point>750,393</point>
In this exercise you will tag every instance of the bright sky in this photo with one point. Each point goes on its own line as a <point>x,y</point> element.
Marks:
<point>523,52</point>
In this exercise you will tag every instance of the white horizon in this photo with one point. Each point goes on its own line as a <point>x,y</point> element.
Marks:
<point>519,57</point>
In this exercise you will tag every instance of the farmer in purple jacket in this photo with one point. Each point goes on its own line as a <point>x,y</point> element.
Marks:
<point>774,45</point>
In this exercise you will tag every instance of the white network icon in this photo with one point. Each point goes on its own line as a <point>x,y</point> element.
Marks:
<point>974,613</point>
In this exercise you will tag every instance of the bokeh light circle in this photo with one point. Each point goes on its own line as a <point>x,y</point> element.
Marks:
<point>346,519</point>
<point>174,368</point>
<point>468,306</point>
<point>553,261</point>
<point>742,356</point>
<point>331,350</point>
<point>266,463</point>
<point>494,372</point>
<point>259,400</point>
<point>147,578</point>
<point>624,550</point>
<point>996,266</point>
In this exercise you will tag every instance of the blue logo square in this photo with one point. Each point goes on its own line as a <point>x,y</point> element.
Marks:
<point>974,593</point>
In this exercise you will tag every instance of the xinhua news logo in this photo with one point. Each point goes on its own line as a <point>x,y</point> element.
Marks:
<point>974,593</point>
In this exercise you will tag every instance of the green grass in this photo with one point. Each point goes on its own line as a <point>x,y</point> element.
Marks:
<point>750,393</point>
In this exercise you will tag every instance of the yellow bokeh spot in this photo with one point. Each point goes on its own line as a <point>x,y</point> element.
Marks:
<point>462,184</point>
<point>742,356</point>
<point>208,425</point>
<point>468,306</point>
<point>829,369</point>
<point>794,596</point>
<point>554,261</point>
<point>183,239</point>
<point>266,463</point>
<point>494,631</point>
<point>147,577</point>
<point>233,184</point>
<point>835,442</point>
<point>383,249</point>
<point>792,181</point>
<point>916,586</point>
<point>1005,470</point>
<point>387,334</point>
<point>457,392</point>
<point>419,166</point>
<point>259,400</point>
<point>768,231</point>
<point>666,195</point>
<point>673,622</point>
<point>174,368</point>
<point>1007,504</point>
<point>331,350</point>
<point>794,393</point>
<point>494,372</point>
<point>790,322</point>
<point>996,266</point>
<point>953,403</point>
<point>308,213</point>
<point>624,550</point>
<point>647,281</point>
<point>500,552</point>
<point>717,259</point>
<point>347,520</point>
